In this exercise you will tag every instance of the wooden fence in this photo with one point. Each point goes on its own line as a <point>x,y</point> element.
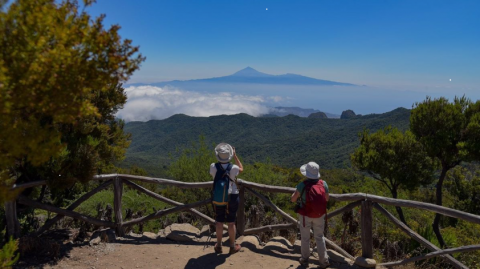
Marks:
<point>365,201</point>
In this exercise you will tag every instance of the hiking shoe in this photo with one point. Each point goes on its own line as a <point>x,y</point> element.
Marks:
<point>218,249</point>
<point>303,262</point>
<point>324,265</point>
<point>235,249</point>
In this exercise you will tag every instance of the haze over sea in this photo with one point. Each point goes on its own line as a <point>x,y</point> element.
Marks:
<point>402,51</point>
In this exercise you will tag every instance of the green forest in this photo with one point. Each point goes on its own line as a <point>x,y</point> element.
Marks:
<point>64,131</point>
<point>285,141</point>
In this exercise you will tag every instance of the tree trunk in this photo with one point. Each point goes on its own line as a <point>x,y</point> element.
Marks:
<point>399,209</point>
<point>436,222</point>
<point>13,226</point>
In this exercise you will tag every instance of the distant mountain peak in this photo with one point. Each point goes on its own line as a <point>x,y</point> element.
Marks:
<point>250,72</point>
<point>252,76</point>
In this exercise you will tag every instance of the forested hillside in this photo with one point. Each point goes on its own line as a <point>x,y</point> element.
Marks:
<point>287,141</point>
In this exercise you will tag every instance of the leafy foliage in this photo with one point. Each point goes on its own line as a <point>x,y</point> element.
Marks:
<point>450,133</point>
<point>463,184</point>
<point>395,159</point>
<point>7,254</point>
<point>60,87</point>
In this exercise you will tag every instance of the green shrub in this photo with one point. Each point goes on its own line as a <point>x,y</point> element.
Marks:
<point>7,255</point>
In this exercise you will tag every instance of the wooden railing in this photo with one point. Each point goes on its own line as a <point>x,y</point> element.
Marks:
<point>366,201</point>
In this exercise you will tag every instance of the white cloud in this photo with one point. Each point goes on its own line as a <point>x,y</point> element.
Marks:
<point>148,102</point>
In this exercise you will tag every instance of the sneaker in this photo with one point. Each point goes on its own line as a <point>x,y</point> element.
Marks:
<point>303,262</point>
<point>326,265</point>
<point>235,249</point>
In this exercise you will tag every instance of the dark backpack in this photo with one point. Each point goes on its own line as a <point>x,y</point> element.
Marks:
<point>221,184</point>
<point>315,199</point>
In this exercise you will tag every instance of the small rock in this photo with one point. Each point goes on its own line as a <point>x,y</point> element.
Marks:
<point>95,241</point>
<point>105,235</point>
<point>365,262</point>
<point>297,246</point>
<point>150,235</point>
<point>279,244</point>
<point>337,257</point>
<point>205,231</point>
<point>282,240</point>
<point>161,233</point>
<point>250,242</point>
<point>182,232</point>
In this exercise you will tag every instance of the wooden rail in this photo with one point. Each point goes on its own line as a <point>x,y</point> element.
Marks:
<point>366,201</point>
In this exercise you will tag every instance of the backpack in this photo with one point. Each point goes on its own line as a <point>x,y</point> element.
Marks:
<point>315,199</point>
<point>221,184</point>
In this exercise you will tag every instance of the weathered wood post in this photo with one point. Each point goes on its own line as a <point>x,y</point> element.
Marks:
<point>117,206</point>
<point>366,223</point>
<point>241,211</point>
<point>13,226</point>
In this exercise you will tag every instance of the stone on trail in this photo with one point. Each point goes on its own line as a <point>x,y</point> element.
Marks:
<point>283,241</point>
<point>105,235</point>
<point>250,242</point>
<point>182,232</point>
<point>205,231</point>
<point>365,262</point>
<point>337,257</point>
<point>297,246</point>
<point>279,244</point>
<point>150,235</point>
<point>161,233</point>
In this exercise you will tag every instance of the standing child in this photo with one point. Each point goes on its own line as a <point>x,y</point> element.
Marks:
<point>313,193</point>
<point>226,213</point>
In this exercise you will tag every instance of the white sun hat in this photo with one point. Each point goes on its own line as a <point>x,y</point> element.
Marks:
<point>310,170</point>
<point>224,152</point>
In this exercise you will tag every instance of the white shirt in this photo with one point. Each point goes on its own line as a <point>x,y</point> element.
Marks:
<point>232,189</point>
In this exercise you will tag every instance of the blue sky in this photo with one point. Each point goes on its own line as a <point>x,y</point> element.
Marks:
<point>392,44</point>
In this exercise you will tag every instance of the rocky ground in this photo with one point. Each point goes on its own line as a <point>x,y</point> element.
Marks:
<point>178,246</point>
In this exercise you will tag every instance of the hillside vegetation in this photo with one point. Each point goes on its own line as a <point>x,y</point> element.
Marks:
<point>286,141</point>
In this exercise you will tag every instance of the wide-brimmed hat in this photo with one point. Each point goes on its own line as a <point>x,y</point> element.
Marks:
<point>310,170</point>
<point>224,152</point>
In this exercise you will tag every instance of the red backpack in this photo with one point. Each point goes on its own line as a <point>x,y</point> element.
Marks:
<point>315,199</point>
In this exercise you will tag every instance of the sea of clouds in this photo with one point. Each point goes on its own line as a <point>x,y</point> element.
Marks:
<point>154,103</point>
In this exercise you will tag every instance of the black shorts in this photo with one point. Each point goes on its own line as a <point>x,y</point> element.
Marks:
<point>221,214</point>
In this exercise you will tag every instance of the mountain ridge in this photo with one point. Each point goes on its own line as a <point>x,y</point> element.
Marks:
<point>282,111</point>
<point>286,141</point>
<point>250,75</point>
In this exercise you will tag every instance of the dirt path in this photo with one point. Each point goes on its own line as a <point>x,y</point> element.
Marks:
<point>162,253</point>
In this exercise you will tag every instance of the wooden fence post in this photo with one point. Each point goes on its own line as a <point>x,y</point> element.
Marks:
<point>117,206</point>
<point>366,222</point>
<point>13,226</point>
<point>241,211</point>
